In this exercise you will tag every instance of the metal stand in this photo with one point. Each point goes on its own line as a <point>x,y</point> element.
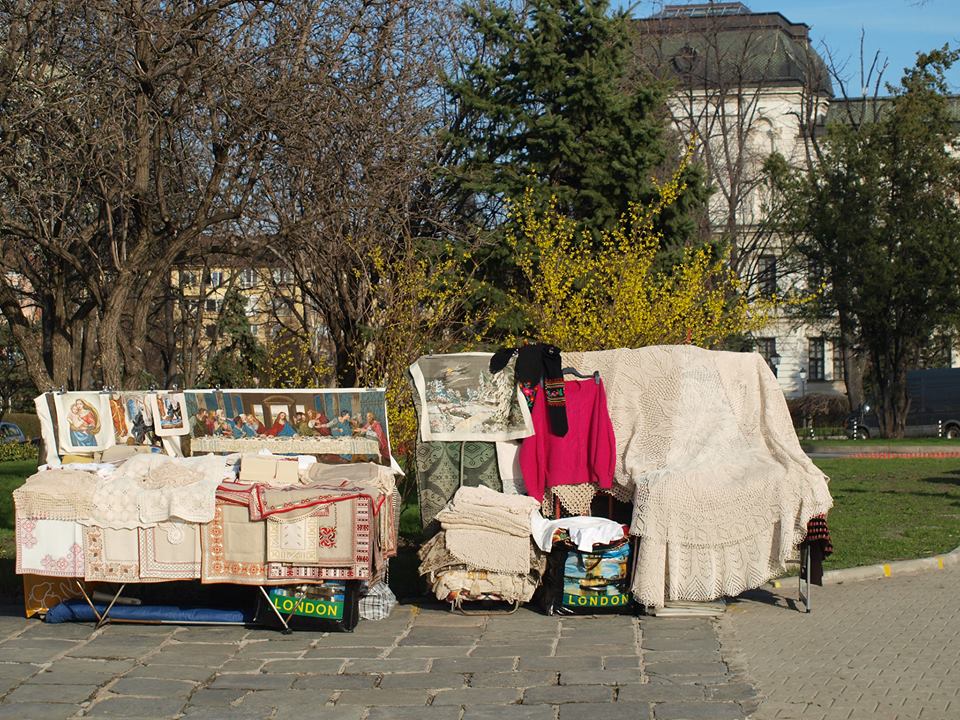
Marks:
<point>805,565</point>
<point>457,606</point>
<point>285,621</point>
<point>101,619</point>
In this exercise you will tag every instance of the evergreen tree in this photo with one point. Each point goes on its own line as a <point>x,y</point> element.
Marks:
<point>240,357</point>
<point>549,102</point>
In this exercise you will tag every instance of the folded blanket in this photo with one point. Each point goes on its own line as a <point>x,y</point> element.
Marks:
<point>488,530</point>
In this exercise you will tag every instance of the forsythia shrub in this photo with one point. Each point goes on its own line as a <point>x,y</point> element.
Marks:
<point>421,307</point>
<point>586,296</point>
<point>17,451</point>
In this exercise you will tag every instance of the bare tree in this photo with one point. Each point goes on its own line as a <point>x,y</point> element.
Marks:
<point>353,190</point>
<point>129,133</point>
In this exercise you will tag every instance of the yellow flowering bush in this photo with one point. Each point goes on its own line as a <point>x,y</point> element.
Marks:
<point>586,295</point>
<point>289,365</point>
<point>420,307</point>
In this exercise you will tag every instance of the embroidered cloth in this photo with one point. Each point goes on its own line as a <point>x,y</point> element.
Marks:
<point>49,547</point>
<point>170,551</point>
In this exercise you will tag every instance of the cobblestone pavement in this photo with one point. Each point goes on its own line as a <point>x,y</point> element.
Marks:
<point>879,649</point>
<point>419,664</point>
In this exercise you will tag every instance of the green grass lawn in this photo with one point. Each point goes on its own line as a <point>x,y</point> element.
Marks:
<point>12,475</point>
<point>892,509</point>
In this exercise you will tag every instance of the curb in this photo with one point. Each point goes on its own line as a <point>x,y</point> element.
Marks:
<point>886,570</point>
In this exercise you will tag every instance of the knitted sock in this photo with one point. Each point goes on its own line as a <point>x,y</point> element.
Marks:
<point>553,388</point>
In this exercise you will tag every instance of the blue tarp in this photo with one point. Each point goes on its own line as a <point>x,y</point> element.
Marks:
<point>80,611</point>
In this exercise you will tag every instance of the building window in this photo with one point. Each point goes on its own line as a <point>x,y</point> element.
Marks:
<point>216,278</point>
<point>283,277</point>
<point>187,278</point>
<point>211,331</point>
<point>248,279</point>
<point>837,360</point>
<point>815,275</point>
<point>767,275</point>
<point>213,305</point>
<point>254,329</point>
<point>767,347</point>
<point>815,360</point>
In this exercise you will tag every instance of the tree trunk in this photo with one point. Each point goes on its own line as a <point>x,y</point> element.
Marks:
<point>892,400</point>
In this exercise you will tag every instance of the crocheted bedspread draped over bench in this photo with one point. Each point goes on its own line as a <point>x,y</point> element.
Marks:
<point>722,490</point>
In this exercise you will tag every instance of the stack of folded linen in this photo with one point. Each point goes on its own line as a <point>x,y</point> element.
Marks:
<point>484,551</point>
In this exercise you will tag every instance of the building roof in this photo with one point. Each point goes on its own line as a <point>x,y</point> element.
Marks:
<point>858,110</point>
<point>717,45</point>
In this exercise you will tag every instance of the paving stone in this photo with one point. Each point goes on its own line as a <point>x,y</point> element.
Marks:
<point>440,637</point>
<point>738,692</point>
<point>355,640</point>
<point>128,707</point>
<point>621,662</point>
<point>150,687</point>
<point>57,631</point>
<point>335,682</point>
<point>510,712</point>
<point>685,668</point>
<point>113,648</point>
<point>566,649</point>
<point>36,711</point>
<point>17,671</point>
<point>478,696</point>
<point>698,711</point>
<point>606,711</point>
<point>325,666</point>
<point>194,654</point>
<point>449,620</point>
<point>344,652</point>
<point>399,665</point>
<point>253,682</point>
<point>568,694</point>
<point>38,650</point>
<point>197,673</point>
<point>522,679</point>
<point>306,700</point>
<point>475,665</point>
<point>383,698</point>
<point>241,666</point>
<point>430,651</point>
<point>193,712</point>
<point>224,634</point>
<point>655,656</point>
<point>660,693</point>
<point>286,712</point>
<point>73,694</point>
<point>559,664</point>
<point>440,712</point>
<point>510,650</point>
<point>75,671</point>
<point>694,644</point>
<point>601,677</point>
<point>207,697</point>
<point>427,681</point>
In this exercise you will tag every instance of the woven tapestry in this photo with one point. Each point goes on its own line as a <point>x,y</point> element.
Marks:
<point>443,467</point>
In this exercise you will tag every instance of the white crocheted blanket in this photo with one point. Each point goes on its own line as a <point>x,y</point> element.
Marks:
<point>723,492</point>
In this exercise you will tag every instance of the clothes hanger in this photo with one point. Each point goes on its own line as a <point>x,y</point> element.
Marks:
<point>577,373</point>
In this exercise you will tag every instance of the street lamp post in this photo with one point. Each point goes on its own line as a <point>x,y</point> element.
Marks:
<point>774,361</point>
<point>803,394</point>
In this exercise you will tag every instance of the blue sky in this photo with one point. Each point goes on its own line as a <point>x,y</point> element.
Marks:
<point>897,28</point>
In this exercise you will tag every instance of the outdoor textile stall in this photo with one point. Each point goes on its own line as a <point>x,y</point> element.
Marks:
<point>698,445</point>
<point>303,494</point>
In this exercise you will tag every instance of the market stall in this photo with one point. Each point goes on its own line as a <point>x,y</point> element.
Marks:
<point>290,492</point>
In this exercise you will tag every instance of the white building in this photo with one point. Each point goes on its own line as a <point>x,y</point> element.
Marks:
<point>745,85</point>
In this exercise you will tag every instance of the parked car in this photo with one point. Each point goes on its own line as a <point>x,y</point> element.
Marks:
<point>933,410</point>
<point>11,433</point>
